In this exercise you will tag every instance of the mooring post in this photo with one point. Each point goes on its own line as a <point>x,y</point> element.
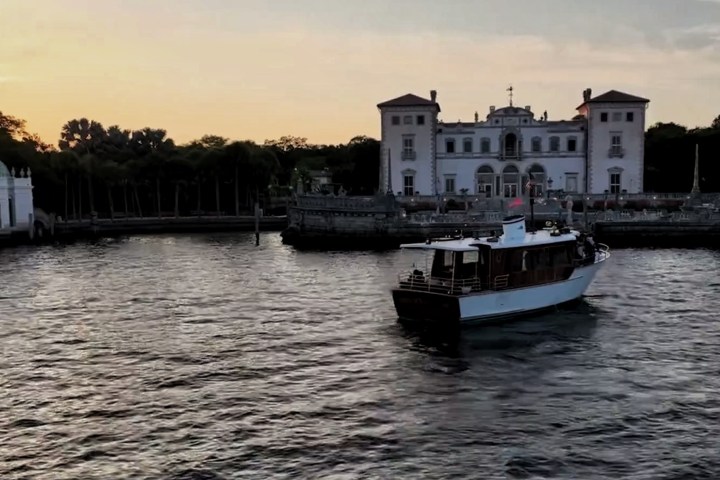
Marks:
<point>532,214</point>
<point>31,226</point>
<point>257,224</point>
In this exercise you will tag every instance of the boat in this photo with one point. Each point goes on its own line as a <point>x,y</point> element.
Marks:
<point>498,277</point>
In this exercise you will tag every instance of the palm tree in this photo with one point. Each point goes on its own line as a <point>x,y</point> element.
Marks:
<point>238,155</point>
<point>66,164</point>
<point>178,169</point>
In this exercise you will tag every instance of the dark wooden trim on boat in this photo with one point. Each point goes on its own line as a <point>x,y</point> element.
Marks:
<point>426,306</point>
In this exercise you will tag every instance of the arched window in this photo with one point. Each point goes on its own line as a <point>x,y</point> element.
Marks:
<point>511,181</point>
<point>485,178</point>
<point>510,147</point>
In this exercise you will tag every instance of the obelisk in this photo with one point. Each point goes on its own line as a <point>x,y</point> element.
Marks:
<point>696,178</point>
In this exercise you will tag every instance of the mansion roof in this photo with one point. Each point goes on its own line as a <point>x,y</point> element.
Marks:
<point>614,96</point>
<point>409,100</point>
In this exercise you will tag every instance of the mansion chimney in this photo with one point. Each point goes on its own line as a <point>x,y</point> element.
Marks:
<point>433,95</point>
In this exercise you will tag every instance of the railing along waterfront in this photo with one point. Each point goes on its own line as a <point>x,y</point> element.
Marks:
<point>654,216</point>
<point>472,218</point>
<point>559,195</point>
<point>346,203</point>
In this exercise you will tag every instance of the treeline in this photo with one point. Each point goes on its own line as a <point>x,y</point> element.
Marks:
<point>114,171</point>
<point>670,157</point>
<point>117,172</point>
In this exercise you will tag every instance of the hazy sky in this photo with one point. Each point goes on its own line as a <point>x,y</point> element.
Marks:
<point>260,69</point>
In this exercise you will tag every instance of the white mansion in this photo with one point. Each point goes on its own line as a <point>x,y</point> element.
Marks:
<point>512,153</point>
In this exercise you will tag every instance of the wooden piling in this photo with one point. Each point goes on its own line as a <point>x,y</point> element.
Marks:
<point>257,224</point>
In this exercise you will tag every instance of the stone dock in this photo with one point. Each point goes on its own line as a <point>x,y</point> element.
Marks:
<point>655,229</point>
<point>317,221</point>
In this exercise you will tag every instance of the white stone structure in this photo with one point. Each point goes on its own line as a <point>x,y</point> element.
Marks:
<point>513,153</point>
<point>16,199</point>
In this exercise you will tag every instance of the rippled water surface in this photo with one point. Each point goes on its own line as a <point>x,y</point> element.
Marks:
<point>204,357</point>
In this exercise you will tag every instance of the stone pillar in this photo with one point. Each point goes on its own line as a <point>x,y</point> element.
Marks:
<point>23,198</point>
<point>4,204</point>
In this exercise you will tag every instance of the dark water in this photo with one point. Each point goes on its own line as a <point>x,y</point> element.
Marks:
<point>203,357</point>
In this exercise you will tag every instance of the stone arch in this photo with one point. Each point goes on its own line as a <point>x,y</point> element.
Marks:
<point>484,181</point>
<point>510,143</point>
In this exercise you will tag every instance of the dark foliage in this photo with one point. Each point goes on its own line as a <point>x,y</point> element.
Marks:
<point>114,172</point>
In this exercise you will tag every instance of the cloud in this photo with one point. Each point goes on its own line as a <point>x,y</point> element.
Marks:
<point>702,37</point>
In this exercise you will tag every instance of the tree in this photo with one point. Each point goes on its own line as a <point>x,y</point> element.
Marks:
<point>715,125</point>
<point>66,163</point>
<point>12,126</point>
<point>149,140</point>
<point>287,143</point>
<point>238,155</point>
<point>212,162</point>
<point>179,169</point>
<point>213,141</point>
<point>82,136</point>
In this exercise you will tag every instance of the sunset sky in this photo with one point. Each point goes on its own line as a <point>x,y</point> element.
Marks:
<point>257,69</point>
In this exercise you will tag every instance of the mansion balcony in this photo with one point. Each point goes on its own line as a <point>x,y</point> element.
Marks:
<point>409,155</point>
<point>616,152</point>
<point>510,156</point>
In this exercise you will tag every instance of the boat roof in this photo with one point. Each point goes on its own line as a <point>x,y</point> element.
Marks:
<point>541,237</point>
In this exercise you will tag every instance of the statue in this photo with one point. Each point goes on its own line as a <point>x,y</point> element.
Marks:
<point>569,207</point>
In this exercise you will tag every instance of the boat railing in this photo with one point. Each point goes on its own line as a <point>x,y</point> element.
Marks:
<point>452,286</point>
<point>602,252</point>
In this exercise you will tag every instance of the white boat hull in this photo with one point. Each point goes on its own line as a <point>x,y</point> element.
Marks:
<point>495,305</point>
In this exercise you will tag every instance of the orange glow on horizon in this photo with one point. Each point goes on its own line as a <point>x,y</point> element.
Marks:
<point>185,71</point>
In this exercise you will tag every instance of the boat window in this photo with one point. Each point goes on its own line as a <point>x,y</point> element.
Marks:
<point>442,263</point>
<point>470,257</point>
<point>560,256</point>
<point>516,260</point>
<point>543,258</point>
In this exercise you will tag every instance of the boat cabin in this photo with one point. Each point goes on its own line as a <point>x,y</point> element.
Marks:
<point>515,259</point>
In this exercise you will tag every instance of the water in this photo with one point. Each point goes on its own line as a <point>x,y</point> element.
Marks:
<point>204,357</point>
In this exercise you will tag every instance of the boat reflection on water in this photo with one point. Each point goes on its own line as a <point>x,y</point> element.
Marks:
<point>576,320</point>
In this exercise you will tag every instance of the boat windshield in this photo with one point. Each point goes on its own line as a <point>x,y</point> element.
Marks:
<point>418,260</point>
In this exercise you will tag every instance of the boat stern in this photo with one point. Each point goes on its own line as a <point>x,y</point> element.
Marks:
<point>423,306</point>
